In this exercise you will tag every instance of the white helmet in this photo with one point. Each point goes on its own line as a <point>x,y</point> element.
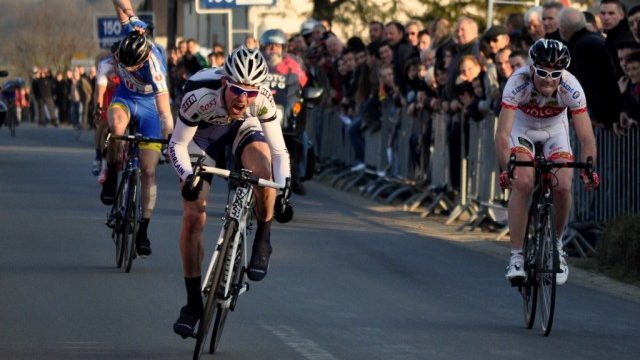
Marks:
<point>246,66</point>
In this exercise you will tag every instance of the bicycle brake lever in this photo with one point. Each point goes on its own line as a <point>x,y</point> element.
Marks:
<point>511,166</point>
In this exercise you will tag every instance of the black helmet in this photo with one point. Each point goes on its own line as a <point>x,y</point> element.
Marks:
<point>133,49</point>
<point>273,36</point>
<point>550,53</point>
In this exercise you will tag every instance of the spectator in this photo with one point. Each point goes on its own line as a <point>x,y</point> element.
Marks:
<point>617,29</point>
<point>424,40</point>
<point>466,37</point>
<point>631,93</point>
<point>74,97</point>
<point>61,91</point>
<point>441,36</point>
<point>86,98</point>
<point>216,59</point>
<point>593,24</point>
<point>395,34</point>
<point>48,112</point>
<point>503,66</point>
<point>250,42</point>
<point>520,39</point>
<point>385,53</point>
<point>551,20</point>
<point>376,31</point>
<point>193,60</point>
<point>518,59</point>
<point>413,28</point>
<point>297,46</point>
<point>533,21</point>
<point>591,65</point>
<point>633,17</point>
<point>497,38</point>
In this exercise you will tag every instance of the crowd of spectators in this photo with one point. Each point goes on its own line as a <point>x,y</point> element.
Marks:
<point>453,68</point>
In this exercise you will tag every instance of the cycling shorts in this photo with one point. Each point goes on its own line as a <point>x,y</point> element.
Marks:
<point>555,138</point>
<point>143,111</point>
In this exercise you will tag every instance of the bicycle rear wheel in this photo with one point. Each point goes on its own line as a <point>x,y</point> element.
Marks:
<point>232,270</point>
<point>549,267</point>
<point>529,289</point>
<point>211,290</point>
<point>131,220</point>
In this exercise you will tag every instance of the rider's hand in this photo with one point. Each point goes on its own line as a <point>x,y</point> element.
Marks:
<point>137,24</point>
<point>590,185</point>
<point>505,182</point>
<point>283,211</point>
<point>191,191</point>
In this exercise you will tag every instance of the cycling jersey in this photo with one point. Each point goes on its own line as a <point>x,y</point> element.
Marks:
<point>137,90</point>
<point>204,118</point>
<point>539,117</point>
<point>107,77</point>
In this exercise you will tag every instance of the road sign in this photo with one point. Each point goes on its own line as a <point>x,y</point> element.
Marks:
<point>109,30</point>
<point>204,6</point>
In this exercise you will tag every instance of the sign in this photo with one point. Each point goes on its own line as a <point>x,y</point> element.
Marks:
<point>204,6</point>
<point>109,30</point>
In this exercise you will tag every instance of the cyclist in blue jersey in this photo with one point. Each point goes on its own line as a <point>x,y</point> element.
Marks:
<point>142,97</point>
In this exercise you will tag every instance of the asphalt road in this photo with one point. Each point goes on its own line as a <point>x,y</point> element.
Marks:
<point>349,279</point>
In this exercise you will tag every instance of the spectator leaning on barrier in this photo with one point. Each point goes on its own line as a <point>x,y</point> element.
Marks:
<point>616,27</point>
<point>592,66</point>
<point>629,115</point>
<point>551,20</point>
<point>394,32</point>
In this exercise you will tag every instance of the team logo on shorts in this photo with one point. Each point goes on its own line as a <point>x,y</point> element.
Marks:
<point>525,143</point>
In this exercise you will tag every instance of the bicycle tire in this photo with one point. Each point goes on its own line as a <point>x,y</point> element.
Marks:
<point>118,227</point>
<point>529,289</point>
<point>233,268</point>
<point>549,267</point>
<point>131,222</point>
<point>216,277</point>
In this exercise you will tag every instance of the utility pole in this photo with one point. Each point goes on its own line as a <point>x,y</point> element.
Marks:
<point>172,23</point>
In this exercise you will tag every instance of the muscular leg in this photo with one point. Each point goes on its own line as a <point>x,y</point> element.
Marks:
<point>257,158</point>
<point>519,203</point>
<point>562,198</point>
<point>191,239</point>
<point>148,163</point>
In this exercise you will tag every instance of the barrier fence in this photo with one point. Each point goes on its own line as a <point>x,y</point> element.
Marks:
<point>407,161</point>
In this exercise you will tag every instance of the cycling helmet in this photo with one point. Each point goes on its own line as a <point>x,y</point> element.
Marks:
<point>273,36</point>
<point>307,26</point>
<point>246,66</point>
<point>133,49</point>
<point>550,53</point>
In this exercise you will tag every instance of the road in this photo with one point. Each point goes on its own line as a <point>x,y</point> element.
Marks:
<point>349,279</point>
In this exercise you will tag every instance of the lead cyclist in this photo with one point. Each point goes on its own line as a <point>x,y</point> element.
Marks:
<point>534,108</point>
<point>220,107</point>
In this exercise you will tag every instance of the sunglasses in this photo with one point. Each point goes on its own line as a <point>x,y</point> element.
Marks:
<point>238,90</point>
<point>542,73</point>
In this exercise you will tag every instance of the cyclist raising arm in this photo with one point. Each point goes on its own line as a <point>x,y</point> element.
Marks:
<point>226,106</point>
<point>143,97</point>
<point>534,108</point>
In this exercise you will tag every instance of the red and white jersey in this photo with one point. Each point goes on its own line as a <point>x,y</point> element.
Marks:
<point>538,110</point>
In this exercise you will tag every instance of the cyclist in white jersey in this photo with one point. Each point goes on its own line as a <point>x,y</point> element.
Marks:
<point>226,106</point>
<point>534,108</point>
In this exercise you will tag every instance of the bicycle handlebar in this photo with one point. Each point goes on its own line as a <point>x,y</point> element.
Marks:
<point>547,165</point>
<point>242,175</point>
<point>137,138</point>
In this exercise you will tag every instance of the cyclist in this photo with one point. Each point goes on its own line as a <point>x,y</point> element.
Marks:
<point>286,80</point>
<point>143,97</point>
<point>534,108</point>
<point>226,106</point>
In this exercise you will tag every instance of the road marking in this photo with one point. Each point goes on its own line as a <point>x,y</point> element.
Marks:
<point>303,346</point>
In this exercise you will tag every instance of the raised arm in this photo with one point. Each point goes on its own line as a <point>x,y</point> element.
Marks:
<point>127,16</point>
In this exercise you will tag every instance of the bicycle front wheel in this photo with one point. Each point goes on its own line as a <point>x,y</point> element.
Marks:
<point>211,291</point>
<point>234,277</point>
<point>131,220</point>
<point>549,267</point>
<point>529,289</point>
<point>117,220</point>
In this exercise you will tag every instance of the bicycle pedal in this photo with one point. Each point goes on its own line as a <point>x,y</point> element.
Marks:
<point>517,281</point>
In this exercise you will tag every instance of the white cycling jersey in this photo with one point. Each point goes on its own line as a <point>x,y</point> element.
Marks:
<point>204,118</point>
<point>539,117</point>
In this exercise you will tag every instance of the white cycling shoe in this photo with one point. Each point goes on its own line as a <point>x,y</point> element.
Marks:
<point>563,275</point>
<point>515,270</point>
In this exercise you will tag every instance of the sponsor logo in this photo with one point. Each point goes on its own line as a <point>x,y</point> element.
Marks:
<point>263,110</point>
<point>207,103</point>
<point>541,112</point>
<point>158,77</point>
<point>519,88</point>
<point>186,103</point>
<point>576,95</point>
<point>525,143</point>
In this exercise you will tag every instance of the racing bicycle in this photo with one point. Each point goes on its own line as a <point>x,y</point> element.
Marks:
<point>541,253</point>
<point>224,280</point>
<point>127,208</point>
